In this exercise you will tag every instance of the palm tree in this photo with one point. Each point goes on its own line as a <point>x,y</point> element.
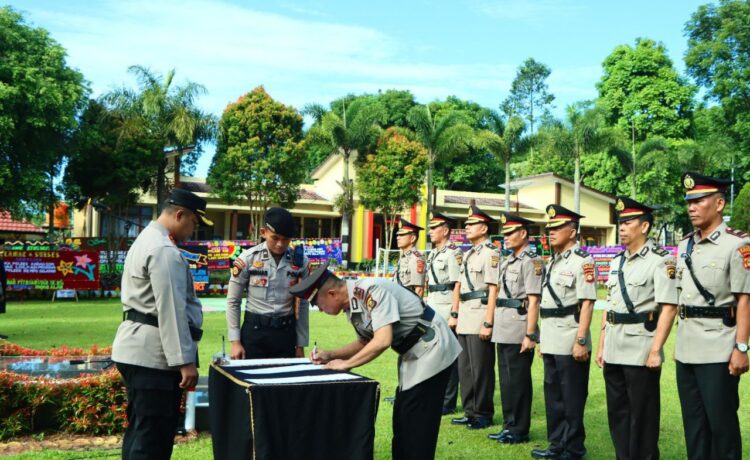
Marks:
<point>442,137</point>
<point>503,140</point>
<point>354,129</point>
<point>166,113</point>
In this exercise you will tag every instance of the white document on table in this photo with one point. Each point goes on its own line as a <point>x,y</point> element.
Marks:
<point>284,369</point>
<point>266,362</point>
<point>304,379</point>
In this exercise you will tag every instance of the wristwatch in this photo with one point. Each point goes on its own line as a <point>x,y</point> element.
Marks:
<point>454,314</point>
<point>533,337</point>
<point>581,340</point>
<point>741,347</point>
<point>486,324</point>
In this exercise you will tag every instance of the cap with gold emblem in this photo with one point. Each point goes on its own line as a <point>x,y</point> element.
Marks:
<point>308,287</point>
<point>477,216</point>
<point>280,221</point>
<point>560,216</point>
<point>439,219</point>
<point>697,185</point>
<point>192,202</point>
<point>630,209</point>
<point>511,222</point>
<point>406,227</point>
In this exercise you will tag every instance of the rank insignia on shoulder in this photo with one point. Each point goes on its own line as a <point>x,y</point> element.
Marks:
<point>452,246</point>
<point>671,269</point>
<point>581,253</point>
<point>660,251</point>
<point>370,302</point>
<point>689,235</point>
<point>589,272</point>
<point>745,253</point>
<point>737,233</point>
<point>494,261</point>
<point>420,266</point>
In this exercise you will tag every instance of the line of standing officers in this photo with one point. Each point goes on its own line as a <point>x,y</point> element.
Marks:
<point>494,305</point>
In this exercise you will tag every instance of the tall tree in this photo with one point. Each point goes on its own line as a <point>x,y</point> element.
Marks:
<point>442,137</point>
<point>390,179</point>
<point>168,113</point>
<point>643,93</point>
<point>503,139</point>
<point>40,97</point>
<point>718,57</point>
<point>529,94</point>
<point>349,127</point>
<point>260,154</point>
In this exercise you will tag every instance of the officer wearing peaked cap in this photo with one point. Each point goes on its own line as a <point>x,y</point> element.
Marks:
<point>272,328</point>
<point>474,322</point>
<point>384,315</point>
<point>713,275</point>
<point>443,271</point>
<point>156,345</point>
<point>641,306</point>
<point>568,296</point>
<point>410,270</point>
<point>515,331</point>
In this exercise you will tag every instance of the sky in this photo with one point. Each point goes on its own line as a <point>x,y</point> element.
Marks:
<point>318,50</point>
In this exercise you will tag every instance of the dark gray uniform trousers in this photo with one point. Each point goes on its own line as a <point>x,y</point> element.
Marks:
<point>566,388</point>
<point>476,373</point>
<point>516,393</point>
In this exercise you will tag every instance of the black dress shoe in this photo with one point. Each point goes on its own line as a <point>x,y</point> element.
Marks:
<point>511,438</point>
<point>498,435</point>
<point>462,421</point>
<point>547,454</point>
<point>448,411</point>
<point>479,423</point>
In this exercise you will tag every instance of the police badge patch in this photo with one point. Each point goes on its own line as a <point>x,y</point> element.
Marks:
<point>494,261</point>
<point>237,266</point>
<point>370,302</point>
<point>671,269</point>
<point>745,253</point>
<point>538,267</point>
<point>420,266</point>
<point>589,272</point>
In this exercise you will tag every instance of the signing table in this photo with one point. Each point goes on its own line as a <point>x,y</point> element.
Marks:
<point>290,409</point>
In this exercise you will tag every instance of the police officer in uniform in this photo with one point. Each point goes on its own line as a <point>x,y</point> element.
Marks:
<point>410,270</point>
<point>641,307</point>
<point>515,331</point>
<point>271,328</point>
<point>713,273</point>
<point>567,304</point>
<point>155,347</point>
<point>443,271</point>
<point>384,315</point>
<point>473,321</point>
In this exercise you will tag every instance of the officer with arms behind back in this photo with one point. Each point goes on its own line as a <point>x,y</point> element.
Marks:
<point>155,347</point>
<point>267,270</point>
<point>641,306</point>
<point>384,315</point>
<point>443,271</point>
<point>713,273</point>
<point>410,270</point>
<point>515,331</point>
<point>567,303</point>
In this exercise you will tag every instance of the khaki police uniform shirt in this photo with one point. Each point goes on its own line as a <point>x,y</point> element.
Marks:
<point>410,271</point>
<point>721,262</point>
<point>572,276</point>
<point>650,280</point>
<point>156,281</point>
<point>481,268</point>
<point>443,267</point>
<point>376,302</point>
<point>267,285</point>
<point>523,275</point>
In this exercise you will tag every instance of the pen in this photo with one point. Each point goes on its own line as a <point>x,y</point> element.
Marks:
<point>315,350</point>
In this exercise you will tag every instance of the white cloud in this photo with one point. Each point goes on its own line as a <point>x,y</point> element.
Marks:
<point>527,10</point>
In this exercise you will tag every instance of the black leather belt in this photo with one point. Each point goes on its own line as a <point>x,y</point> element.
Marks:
<point>631,318</point>
<point>475,295</point>
<point>511,303</point>
<point>273,322</point>
<point>415,334</point>
<point>559,312</point>
<point>692,311</point>
<point>151,320</point>
<point>440,287</point>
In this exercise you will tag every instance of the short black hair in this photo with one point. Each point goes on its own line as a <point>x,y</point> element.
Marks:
<point>647,218</point>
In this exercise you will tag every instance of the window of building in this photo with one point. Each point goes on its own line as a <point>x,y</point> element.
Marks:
<point>128,224</point>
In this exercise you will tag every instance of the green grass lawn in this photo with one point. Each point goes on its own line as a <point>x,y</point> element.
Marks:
<point>45,324</point>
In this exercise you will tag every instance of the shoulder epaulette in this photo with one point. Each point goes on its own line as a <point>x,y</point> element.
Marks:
<point>530,254</point>
<point>659,251</point>
<point>737,233</point>
<point>689,235</point>
<point>416,253</point>
<point>453,246</point>
<point>621,253</point>
<point>581,253</point>
<point>489,244</point>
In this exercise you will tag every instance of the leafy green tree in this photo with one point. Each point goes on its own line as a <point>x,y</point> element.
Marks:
<point>260,154</point>
<point>40,97</point>
<point>503,139</point>
<point>605,170</point>
<point>718,58</point>
<point>390,179</point>
<point>643,93</point>
<point>442,137</point>
<point>168,113</point>
<point>529,94</point>
<point>741,215</point>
